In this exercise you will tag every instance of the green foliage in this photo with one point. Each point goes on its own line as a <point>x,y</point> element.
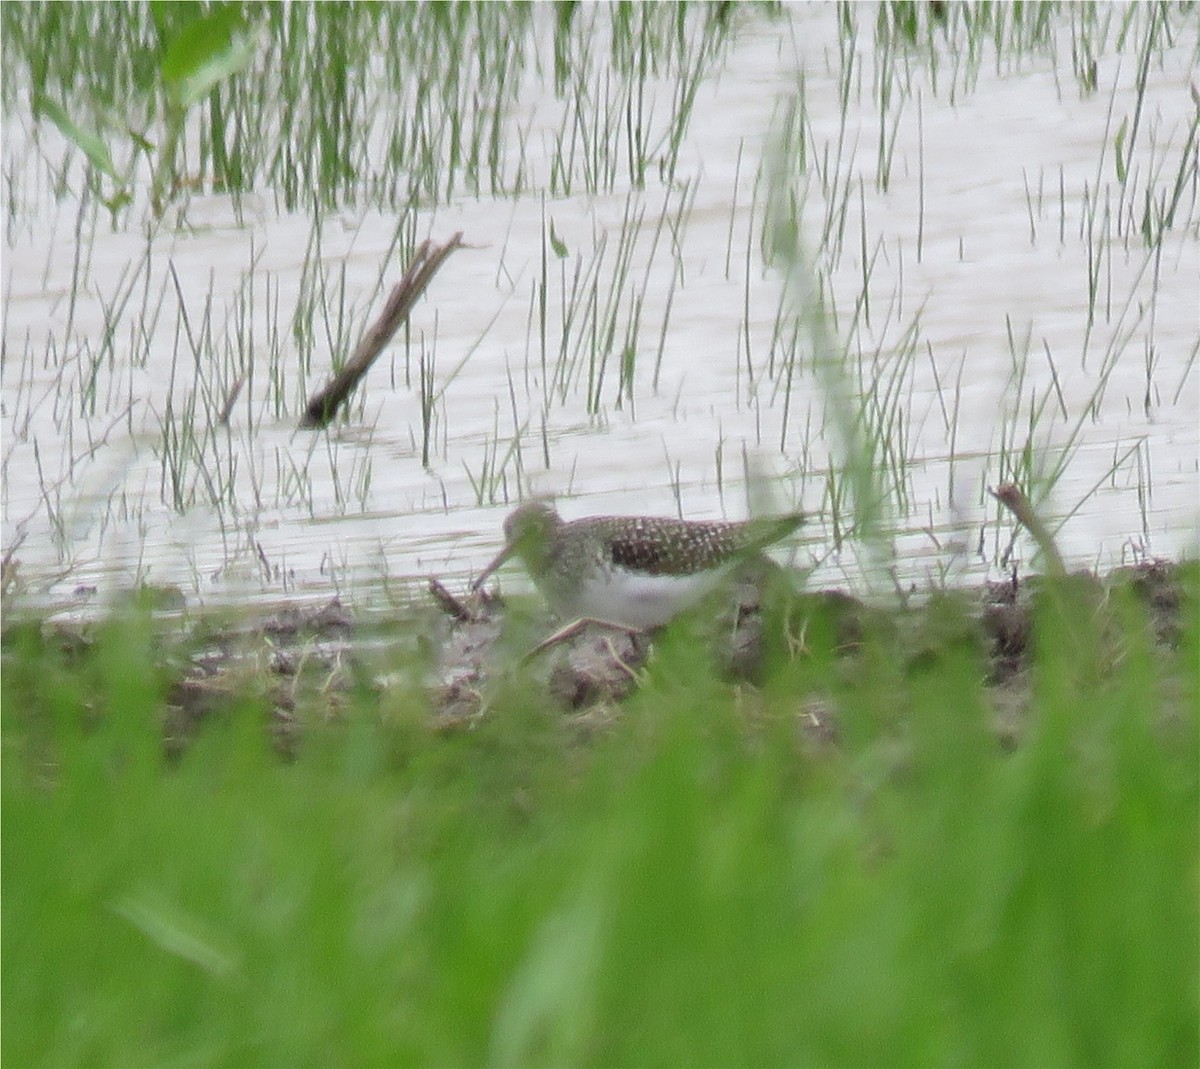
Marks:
<point>200,50</point>
<point>89,141</point>
<point>96,73</point>
<point>695,885</point>
<point>202,54</point>
<point>331,104</point>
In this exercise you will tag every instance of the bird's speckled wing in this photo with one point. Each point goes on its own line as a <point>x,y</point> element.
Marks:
<point>666,546</point>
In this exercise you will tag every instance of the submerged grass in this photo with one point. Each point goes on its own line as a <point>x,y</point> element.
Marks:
<point>623,90</point>
<point>372,104</point>
<point>693,885</point>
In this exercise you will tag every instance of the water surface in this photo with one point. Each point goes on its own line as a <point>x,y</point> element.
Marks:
<point>985,270</point>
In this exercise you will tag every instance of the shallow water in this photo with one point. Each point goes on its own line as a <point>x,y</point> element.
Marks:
<point>980,251</point>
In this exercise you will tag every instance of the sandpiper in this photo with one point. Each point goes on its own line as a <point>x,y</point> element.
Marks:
<point>633,572</point>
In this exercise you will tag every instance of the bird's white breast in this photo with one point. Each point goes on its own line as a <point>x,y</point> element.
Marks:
<point>635,599</point>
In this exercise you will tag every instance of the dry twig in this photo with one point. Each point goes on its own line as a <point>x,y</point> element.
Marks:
<point>323,405</point>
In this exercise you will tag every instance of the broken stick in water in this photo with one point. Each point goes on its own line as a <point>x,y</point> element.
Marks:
<point>323,405</point>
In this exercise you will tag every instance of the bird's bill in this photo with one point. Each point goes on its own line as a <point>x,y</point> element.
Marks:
<point>499,559</point>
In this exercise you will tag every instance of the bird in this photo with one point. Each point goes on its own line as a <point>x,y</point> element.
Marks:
<point>631,572</point>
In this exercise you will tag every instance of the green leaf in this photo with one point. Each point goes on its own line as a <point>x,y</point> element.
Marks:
<point>170,18</point>
<point>204,54</point>
<point>557,243</point>
<point>1119,150</point>
<point>177,932</point>
<point>141,141</point>
<point>90,142</point>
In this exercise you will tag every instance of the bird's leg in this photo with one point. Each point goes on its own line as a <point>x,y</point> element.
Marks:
<point>574,628</point>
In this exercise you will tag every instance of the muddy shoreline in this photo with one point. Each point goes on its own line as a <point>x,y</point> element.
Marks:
<point>301,662</point>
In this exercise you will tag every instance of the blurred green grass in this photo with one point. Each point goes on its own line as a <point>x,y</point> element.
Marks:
<point>696,885</point>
